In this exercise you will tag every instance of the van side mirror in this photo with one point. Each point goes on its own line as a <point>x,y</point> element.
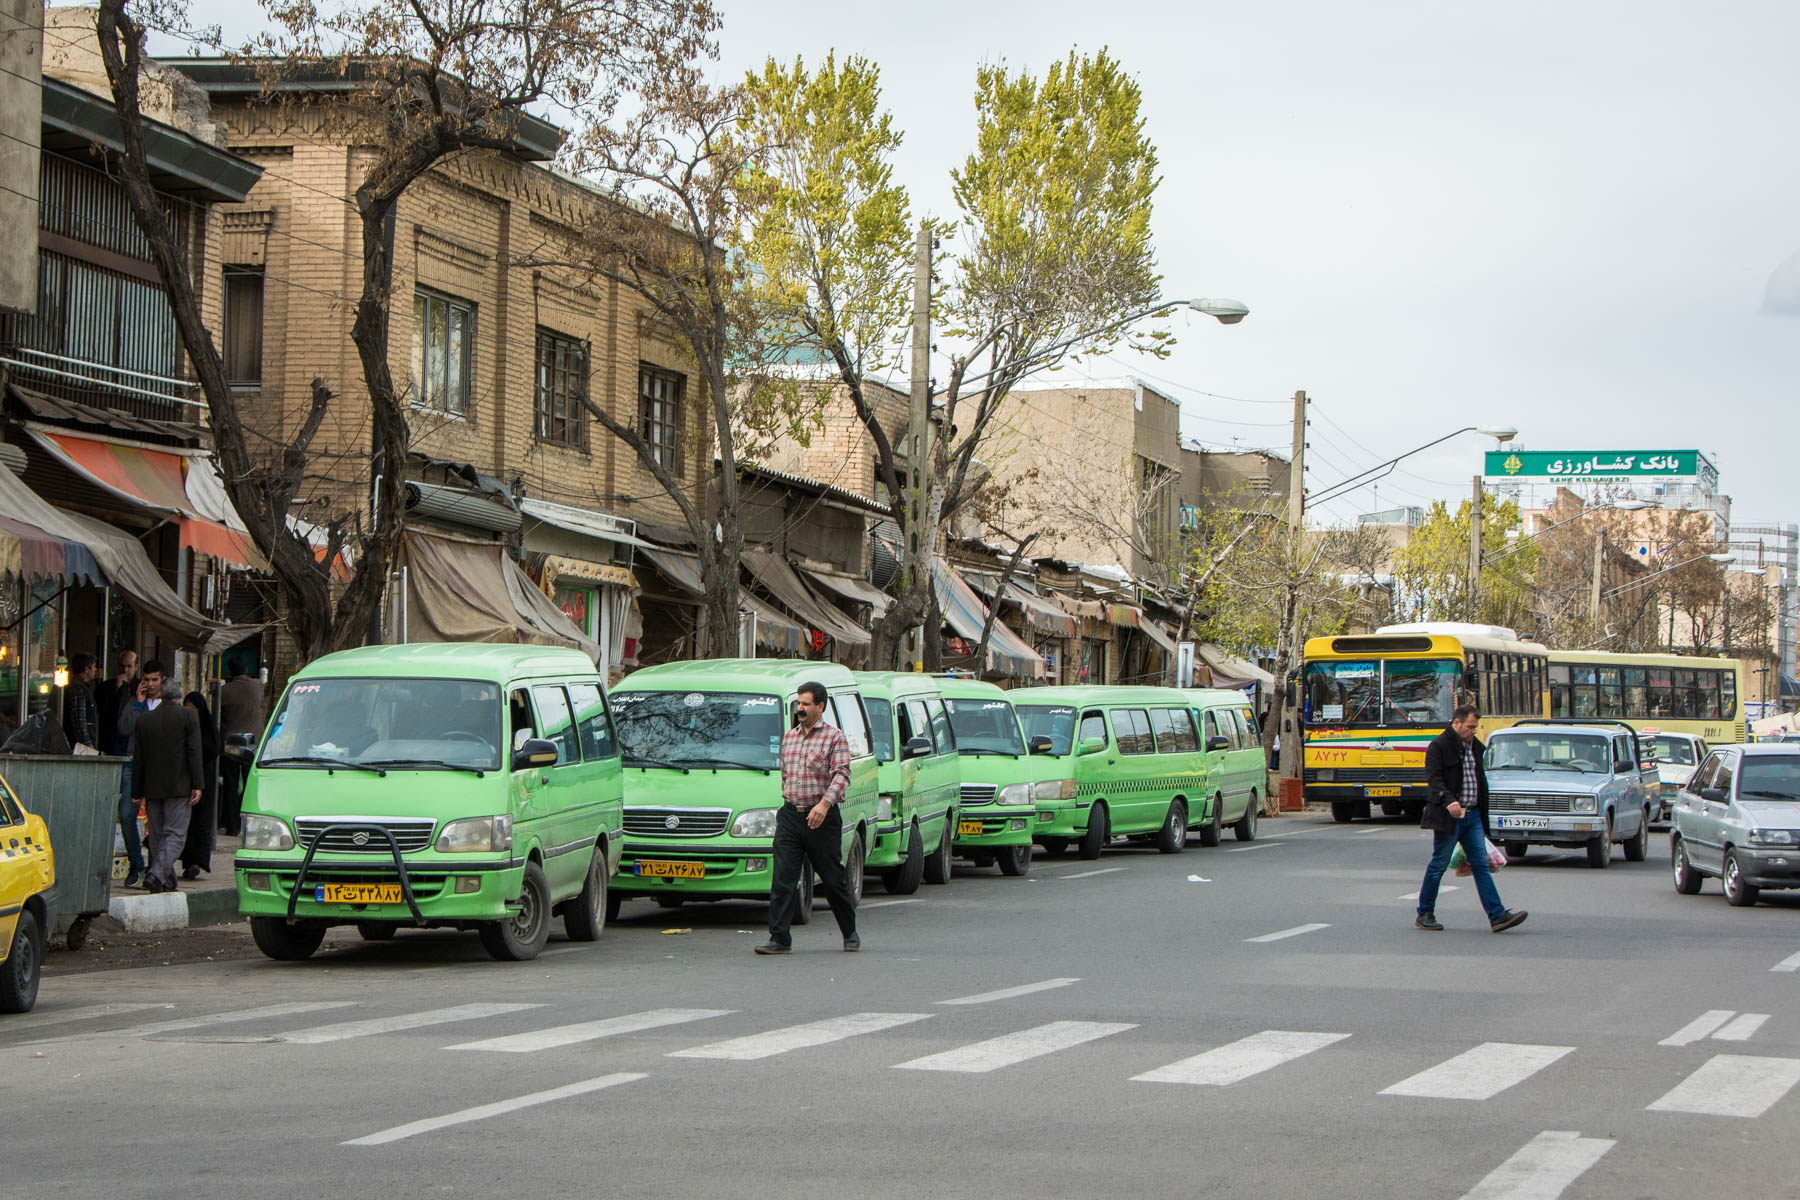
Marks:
<point>915,748</point>
<point>536,752</point>
<point>1217,743</point>
<point>1040,744</point>
<point>1093,746</point>
<point>240,748</point>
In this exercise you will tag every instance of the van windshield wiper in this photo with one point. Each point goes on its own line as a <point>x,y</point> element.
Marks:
<point>984,750</point>
<point>319,760</point>
<point>728,763</point>
<point>478,772</point>
<point>633,760</point>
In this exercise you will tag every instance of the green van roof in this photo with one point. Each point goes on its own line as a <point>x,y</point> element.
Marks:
<point>1105,695</point>
<point>738,675</point>
<point>499,662</point>
<point>888,684</point>
<point>959,688</point>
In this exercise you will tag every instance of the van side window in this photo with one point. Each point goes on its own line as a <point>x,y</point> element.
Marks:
<point>1210,727</point>
<point>940,726</point>
<point>1093,725</point>
<point>1248,733</point>
<point>1174,729</point>
<point>914,722</point>
<point>1228,729</point>
<point>848,716</point>
<point>1132,728</point>
<point>592,721</point>
<point>557,725</point>
<point>524,725</point>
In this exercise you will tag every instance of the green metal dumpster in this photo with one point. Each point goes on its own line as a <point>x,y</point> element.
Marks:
<point>78,797</point>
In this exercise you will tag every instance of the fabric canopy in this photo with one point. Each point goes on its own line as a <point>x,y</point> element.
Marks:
<point>1779,723</point>
<point>773,630</point>
<point>32,553</point>
<point>123,561</point>
<point>683,570</point>
<point>851,588</point>
<point>785,584</point>
<point>1040,614</point>
<point>963,611</point>
<point>1157,634</point>
<point>1232,672</point>
<point>472,592</point>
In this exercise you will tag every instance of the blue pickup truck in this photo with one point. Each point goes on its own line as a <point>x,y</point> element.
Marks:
<point>1572,783</point>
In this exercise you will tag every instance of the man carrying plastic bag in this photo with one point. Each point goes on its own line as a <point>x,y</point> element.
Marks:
<point>1453,813</point>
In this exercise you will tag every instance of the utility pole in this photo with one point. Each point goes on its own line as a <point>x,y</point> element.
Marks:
<point>919,541</point>
<point>1475,551</point>
<point>1297,473</point>
<point>1286,720</point>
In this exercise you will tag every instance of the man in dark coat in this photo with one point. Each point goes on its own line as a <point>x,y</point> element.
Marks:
<point>81,716</point>
<point>1456,812</point>
<point>166,774</point>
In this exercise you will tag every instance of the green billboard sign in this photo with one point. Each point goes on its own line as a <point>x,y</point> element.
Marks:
<point>1601,466</point>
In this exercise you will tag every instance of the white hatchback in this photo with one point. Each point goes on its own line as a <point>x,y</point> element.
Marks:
<point>1677,754</point>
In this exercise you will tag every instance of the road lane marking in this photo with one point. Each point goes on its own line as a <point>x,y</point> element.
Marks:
<point>320,1034</point>
<point>81,1014</point>
<point>1089,874</point>
<point>483,1111</point>
<point>1741,1027</point>
<point>293,1008</point>
<point>591,1031</point>
<point>1257,846</point>
<point>1448,887</point>
<point>1732,1085</point>
<point>1241,1059</point>
<point>1701,1026</point>
<point>1024,989</point>
<point>1379,829</point>
<point>981,1057</point>
<point>1790,964</point>
<point>889,903</point>
<point>800,1037</point>
<point>1296,931</point>
<point>1479,1074</point>
<point>1542,1168</point>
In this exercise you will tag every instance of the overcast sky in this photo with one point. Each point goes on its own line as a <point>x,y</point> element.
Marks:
<point>1580,218</point>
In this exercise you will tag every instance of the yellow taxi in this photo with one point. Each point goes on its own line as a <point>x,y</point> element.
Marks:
<point>27,869</point>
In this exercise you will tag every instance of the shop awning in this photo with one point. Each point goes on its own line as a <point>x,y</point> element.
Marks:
<point>604,526</point>
<point>785,584</point>
<point>1040,614</point>
<point>683,570</point>
<point>963,612</point>
<point>562,567</point>
<point>473,592</point>
<point>774,631</point>
<point>1125,616</point>
<point>851,588</point>
<point>1229,671</point>
<point>1157,634</point>
<point>156,479</point>
<point>32,553</point>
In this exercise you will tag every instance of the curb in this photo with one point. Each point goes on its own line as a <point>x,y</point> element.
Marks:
<point>163,911</point>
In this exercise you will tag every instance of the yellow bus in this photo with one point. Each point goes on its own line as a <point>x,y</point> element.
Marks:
<point>1666,693</point>
<point>1371,703</point>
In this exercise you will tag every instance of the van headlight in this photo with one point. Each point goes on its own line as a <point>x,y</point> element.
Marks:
<point>1055,789</point>
<point>266,833</point>
<point>757,823</point>
<point>475,834</point>
<point>1584,804</point>
<point>1774,837</point>
<point>884,807</point>
<point>1014,793</point>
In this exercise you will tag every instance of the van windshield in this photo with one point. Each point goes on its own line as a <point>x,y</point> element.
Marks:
<point>699,728</point>
<point>1549,752</point>
<point>455,722</point>
<point>1054,721</point>
<point>985,725</point>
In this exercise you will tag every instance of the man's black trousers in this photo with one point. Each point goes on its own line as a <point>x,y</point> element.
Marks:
<point>798,847</point>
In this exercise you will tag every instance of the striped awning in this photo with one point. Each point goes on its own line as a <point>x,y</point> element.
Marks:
<point>29,552</point>
<point>964,612</point>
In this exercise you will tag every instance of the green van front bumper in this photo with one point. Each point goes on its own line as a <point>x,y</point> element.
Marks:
<point>740,869</point>
<point>1066,820</point>
<point>449,891</point>
<point>1001,825</point>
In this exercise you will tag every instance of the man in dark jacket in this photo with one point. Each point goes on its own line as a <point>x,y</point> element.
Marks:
<point>1456,812</point>
<point>166,774</point>
<point>81,716</point>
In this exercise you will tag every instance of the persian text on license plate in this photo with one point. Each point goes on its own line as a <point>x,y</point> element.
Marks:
<point>357,893</point>
<point>1381,791</point>
<point>1522,822</point>
<point>672,870</point>
<point>968,828</point>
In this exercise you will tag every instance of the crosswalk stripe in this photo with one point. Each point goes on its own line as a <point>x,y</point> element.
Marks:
<point>589,1031</point>
<point>1542,1167</point>
<point>85,1014</point>
<point>800,1037</point>
<point>981,1057</point>
<point>346,1030</point>
<point>1241,1059</point>
<point>1701,1026</point>
<point>1442,888</point>
<point>1296,931</point>
<point>290,1009</point>
<point>1478,1074</point>
<point>1741,1029</point>
<point>482,1111</point>
<point>1790,964</point>
<point>1024,989</point>
<point>1732,1085</point>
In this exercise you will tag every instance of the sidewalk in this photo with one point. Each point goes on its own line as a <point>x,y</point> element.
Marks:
<point>208,900</point>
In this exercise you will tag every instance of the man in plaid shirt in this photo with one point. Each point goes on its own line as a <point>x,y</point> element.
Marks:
<point>809,830</point>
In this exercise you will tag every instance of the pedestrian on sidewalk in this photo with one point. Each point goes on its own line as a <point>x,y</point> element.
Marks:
<point>81,715</point>
<point>240,711</point>
<point>196,850</point>
<point>809,829</point>
<point>1456,812</point>
<point>111,696</point>
<point>166,774</point>
<point>137,693</point>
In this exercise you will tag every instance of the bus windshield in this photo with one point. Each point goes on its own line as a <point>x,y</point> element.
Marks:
<point>1054,721</point>
<point>1407,691</point>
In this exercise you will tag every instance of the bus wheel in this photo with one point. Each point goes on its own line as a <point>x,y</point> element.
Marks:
<point>1095,839</point>
<point>1343,811</point>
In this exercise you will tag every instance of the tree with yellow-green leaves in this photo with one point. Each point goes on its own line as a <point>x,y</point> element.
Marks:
<point>1432,569</point>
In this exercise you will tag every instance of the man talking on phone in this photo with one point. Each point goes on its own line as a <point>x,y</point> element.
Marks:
<point>809,829</point>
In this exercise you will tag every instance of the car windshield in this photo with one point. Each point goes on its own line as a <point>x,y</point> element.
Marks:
<point>1677,752</point>
<point>705,728</point>
<point>1054,721</point>
<point>1405,691</point>
<point>881,726</point>
<point>985,725</point>
<point>451,722</point>
<point>1769,778</point>
<point>1549,752</point>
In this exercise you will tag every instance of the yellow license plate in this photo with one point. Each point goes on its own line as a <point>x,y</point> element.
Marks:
<point>672,870</point>
<point>357,893</point>
<point>1374,792</point>
<point>1380,758</point>
<point>968,828</point>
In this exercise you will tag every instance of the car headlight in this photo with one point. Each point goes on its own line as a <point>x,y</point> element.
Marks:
<point>757,823</point>
<point>475,834</point>
<point>1055,789</point>
<point>1583,804</point>
<point>266,833</point>
<point>1774,837</point>
<point>1015,793</point>
<point>884,807</point>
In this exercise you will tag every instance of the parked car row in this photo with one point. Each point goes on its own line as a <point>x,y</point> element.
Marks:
<point>497,788</point>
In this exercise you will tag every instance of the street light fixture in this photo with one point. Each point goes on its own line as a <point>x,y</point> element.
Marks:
<point>1342,487</point>
<point>1229,312</point>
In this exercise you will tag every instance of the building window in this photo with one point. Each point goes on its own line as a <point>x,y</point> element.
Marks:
<point>561,389</point>
<point>659,415</point>
<point>243,326</point>
<point>443,356</point>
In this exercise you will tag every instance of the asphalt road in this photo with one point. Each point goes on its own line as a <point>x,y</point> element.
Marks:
<point>1125,1027</point>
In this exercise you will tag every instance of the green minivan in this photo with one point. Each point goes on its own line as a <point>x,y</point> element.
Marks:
<point>1134,754</point>
<point>915,817</point>
<point>1236,765</point>
<point>1005,788</point>
<point>433,784</point>
<point>701,746</point>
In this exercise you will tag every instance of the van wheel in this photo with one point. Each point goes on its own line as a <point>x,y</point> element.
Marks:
<point>520,937</point>
<point>904,879</point>
<point>1687,880</point>
<point>1738,893</point>
<point>803,898</point>
<point>1014,860</point>
<point>1172,837</point>
<point>613,901</point>
<point>1599,847</point>
<point>1343,811</point>
<point>853,870</point>
<point>1639,842</point>
<point>283,942</point>
<point>377,931</point>
<point>19,974</point>
<point>670,901</point>
<point>1096,837</point>
<point>583,917</point>
<point>1210,832</point>
<point>1055,847</point>
<point>1246,824</point>
<point>938,868</point>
